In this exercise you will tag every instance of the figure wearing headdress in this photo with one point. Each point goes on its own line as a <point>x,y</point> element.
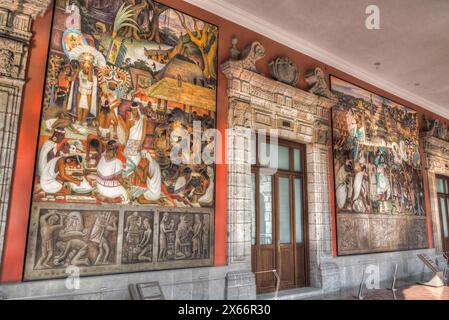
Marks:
<point>135,127</point>
<point>49,148</point>
<point>109,176</point>
<point>83,92</point>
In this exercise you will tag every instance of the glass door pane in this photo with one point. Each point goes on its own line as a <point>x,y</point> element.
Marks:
<point>444,214</point>
<point>284,210</point>
<point>283,158</point>
<point>265,209</point>
<point>297,160</point>
<point>253,209</point>
<point>440,185</point>
<point>298,210</point>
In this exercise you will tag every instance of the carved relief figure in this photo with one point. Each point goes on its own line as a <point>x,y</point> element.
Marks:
<point>145,244</point>
<point>248,57</point>
<point>80,238</point>
<point>184,236</point>
<point>317,83</point>
<point>49,223</point>
<point>166,227</point>
<point>435,128</point>
<point>205,237</point>
<point>197,236</point>
<point>132,234</point>
<point>105,223</point>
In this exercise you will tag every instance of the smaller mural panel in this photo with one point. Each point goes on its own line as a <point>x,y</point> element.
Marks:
<point>116,240</point>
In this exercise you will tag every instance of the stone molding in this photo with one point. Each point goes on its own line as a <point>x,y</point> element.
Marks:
<point>436,153</point>
<point>15,35</point>
<point>33,8</point>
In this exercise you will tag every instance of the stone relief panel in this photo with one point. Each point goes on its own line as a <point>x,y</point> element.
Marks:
<point>81,238</point>
<point>116,240</point>
<point>11,54</point>
<point>377,233</point>
<point>183,236</point>
<point>418,235</point>
<point>138,237</point>
<point>353,235</point>
<point>385,234</point>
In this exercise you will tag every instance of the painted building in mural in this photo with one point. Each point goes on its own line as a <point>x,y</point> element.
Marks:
<point>125,188</point>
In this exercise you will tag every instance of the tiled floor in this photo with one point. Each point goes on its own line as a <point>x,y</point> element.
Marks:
<point>414,292</point>
<point>411,292</point>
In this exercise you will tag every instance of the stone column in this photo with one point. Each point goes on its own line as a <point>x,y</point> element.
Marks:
<point>240,279</point>
<point>323,272</point>
<point>320,226</point>
<point>437,162</point>
<point>15,36</point>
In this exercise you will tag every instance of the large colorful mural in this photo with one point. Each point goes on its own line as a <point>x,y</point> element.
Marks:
<point>379,188</point>
<point>126,81</point>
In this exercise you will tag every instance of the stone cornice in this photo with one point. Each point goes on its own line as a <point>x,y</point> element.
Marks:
<point>436,147</point>
<point>234,70</point>
<point>261,103</point>
<point>15,34</point>
<point>33,8</point>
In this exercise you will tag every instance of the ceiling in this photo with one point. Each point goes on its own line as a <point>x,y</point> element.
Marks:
<point>408,56</point>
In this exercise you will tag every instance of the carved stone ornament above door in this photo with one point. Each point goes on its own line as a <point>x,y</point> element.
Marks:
<point>284,70</point>
<point>271,104</point>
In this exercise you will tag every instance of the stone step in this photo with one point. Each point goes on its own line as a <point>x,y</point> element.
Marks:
<point>292,294</point>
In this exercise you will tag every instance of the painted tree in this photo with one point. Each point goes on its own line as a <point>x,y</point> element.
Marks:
<point>156,9</point>
<point>135,9</point>
<point>124,21</point>
<point>206,40</point>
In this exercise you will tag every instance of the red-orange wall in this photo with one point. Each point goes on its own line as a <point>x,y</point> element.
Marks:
<point>14,251</point>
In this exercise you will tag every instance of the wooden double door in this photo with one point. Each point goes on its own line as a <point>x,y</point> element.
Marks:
<point>279,230</point>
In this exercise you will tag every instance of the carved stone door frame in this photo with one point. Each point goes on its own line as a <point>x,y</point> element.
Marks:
<point>259,103</point>
<point>437,162</point>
